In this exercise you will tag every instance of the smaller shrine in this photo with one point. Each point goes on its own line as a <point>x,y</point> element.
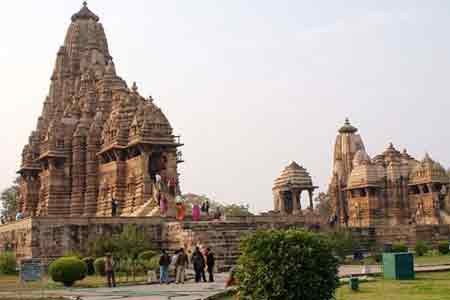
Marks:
<point>288,189</point>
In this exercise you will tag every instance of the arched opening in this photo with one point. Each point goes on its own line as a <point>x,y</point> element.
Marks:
<point>288,203</point>
<point>157,164</point>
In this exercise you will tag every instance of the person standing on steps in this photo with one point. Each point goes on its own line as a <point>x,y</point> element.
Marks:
<point>114,206</point>
<point>199,265</point>
<point>164,262</point>
<point>180,266</point>
<point>210,262</point>
<point>109,270</point>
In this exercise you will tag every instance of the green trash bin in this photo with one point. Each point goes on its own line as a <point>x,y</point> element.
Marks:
<point>398,266</point>
<point>354,283</point>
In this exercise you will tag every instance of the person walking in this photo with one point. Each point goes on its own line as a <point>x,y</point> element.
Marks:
<point>180,265</point>
<point>198,262</point>
<point>109,270</point>
<point>210,261</point>
<point>164,262</point>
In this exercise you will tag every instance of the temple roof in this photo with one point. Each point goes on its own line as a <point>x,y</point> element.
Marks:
<point>85,14</point>
<point>293,176</point>
<point>428,171</point>
<point>348,128</point>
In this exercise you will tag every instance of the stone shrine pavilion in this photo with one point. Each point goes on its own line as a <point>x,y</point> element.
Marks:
<point>97,139</point>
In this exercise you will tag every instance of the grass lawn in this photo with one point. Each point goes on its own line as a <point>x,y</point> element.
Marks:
<point>11,283</point>
<point>426,286</point>
<point>432,260</point>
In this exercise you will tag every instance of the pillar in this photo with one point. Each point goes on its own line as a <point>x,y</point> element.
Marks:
<point>282,204</point>
<point>295,202</point>
<point>311,205</point>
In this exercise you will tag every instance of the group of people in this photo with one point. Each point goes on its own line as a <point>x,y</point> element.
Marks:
<point>181,261</point>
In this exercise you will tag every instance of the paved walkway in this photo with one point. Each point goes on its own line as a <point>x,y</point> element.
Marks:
<point>190,290</point>
<point>187,291</point>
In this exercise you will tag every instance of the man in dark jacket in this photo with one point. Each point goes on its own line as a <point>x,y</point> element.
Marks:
<point>164,262</point>
<point>199,265</point>
<point>210,261</point>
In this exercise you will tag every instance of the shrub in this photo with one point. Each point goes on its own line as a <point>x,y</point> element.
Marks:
<point>67,270</point>
<point>99,266</point>
<point>7,263</point>
<point>292,264</point>
<point>421,248</point>
<point>343,244</point>
<point>147,255</point>
<point>151,264</point>
<point>399,247</point>
<point>443,247</point>
<point>89,261</point>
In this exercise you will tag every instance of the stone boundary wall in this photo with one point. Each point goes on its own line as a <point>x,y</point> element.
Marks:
<point>51,237</point>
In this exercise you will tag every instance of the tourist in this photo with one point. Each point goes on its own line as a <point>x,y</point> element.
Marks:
<point>198,261</point>
<point>180,266</point>
<point>158,181</point>
<point>181,211</point>
<point>114,206</point>
<point>195,212</point>
<point>2,220</point>
<point>19,216</point>
<point>164,262</point>
<point>205,206</point>
<point>109,270</point>
<point>163,205</point>
<point>210,261</point>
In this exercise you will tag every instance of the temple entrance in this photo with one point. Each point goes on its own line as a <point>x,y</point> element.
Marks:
<point>157,164</point>
<point>288,203</point>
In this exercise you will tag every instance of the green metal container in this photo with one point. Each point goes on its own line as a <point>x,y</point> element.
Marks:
<point>398,266</point>
<point>354,283</point>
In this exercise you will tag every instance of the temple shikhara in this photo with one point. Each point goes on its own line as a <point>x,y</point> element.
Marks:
<point>97,139</point>
<point>392,188</point>
<point>103,156</point>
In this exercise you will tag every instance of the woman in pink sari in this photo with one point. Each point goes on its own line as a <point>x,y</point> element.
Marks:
<point>163,205</point>
<point>196,212</point>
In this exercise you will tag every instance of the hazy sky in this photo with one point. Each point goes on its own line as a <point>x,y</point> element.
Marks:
<point>250,85</point>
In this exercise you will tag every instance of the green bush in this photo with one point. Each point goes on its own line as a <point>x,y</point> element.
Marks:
<point>99,266</point>
<point>421,248</point>
<point>151,264</point>
<point>399,247</point>
<point>343,244</point>
<point>8,263</point>
<point>443,247</point>
<point>89,261</point>
<point>67,270</point>
<point>147,255</point>
<point>287,265</point>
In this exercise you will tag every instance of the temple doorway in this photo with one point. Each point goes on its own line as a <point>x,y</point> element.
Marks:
<point>288,203</point>
<point>157,164</point>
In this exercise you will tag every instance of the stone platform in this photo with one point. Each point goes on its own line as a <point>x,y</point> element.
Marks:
<point>50,237</point>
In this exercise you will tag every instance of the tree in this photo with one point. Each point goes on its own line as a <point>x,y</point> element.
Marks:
<point>231,210</point>
<point>287,265</point>
<point>324,208</point>
<point>9,199</point>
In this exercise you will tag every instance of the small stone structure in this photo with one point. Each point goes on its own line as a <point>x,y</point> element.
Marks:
<point>391,188</point>
<point>288,188</point>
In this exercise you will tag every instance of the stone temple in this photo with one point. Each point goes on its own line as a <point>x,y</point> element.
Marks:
<point>392,188</point>
<point>97,139</point>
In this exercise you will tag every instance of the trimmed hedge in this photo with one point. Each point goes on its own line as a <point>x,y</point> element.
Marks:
<point>399,247</point>
<point>99,266</point>
<point>147,255</point>
<point>89,261</point>
<point>421,248</point>
<point>8,263</point>
<point>443,247</point>
<point>287,265</point>
<point>67,270</point>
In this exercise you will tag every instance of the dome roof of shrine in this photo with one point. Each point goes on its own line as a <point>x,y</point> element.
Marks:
<point>85,14</point>
<point>293,176</point>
